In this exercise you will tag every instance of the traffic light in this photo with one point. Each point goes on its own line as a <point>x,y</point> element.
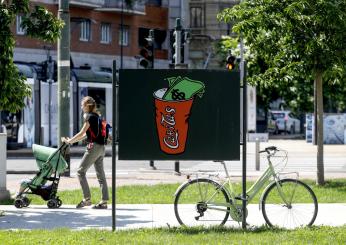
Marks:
<point>147,57</point>
<point>49,70</point>
<point>147,52</point>
<point>230,62</point>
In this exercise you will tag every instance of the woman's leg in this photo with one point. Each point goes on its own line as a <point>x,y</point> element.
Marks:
<point>88,159</point>
<point>100,173</point>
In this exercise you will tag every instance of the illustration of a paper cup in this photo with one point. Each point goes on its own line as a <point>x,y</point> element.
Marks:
<point>172,122</point>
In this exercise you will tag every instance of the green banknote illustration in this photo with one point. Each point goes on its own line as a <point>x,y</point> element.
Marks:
<point>183,88</point>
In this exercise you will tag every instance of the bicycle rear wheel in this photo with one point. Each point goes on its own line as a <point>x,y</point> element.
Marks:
<point>299,211</point>
<point>201,202</point>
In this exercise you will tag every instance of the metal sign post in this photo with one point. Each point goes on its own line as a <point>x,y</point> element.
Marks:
<point>243,82</point>
<point>178,64</point>
<point>114,138</point>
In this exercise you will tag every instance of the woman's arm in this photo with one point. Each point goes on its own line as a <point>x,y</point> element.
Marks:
<point>79,136</point>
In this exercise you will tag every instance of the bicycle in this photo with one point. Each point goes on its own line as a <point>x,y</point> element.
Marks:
<point>285,203</point>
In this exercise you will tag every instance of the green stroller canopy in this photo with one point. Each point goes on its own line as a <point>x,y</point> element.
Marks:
<point>47,155</point>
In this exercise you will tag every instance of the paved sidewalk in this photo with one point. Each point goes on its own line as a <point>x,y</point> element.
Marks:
<point>132,216</point>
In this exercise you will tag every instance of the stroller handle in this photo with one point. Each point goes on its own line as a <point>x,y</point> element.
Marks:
<point>63,146</point>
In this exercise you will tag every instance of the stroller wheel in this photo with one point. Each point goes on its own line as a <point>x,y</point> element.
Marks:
<point>26,201</point>
<point>52,203</point>
<point>59,203</point>
<point>18,203</point>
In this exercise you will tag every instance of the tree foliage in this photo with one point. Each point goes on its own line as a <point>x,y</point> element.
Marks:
<point>38,23</point>
<point>299,41</point>
<point>289,42</point>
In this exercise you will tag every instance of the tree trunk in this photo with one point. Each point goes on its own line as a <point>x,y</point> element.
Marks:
<point>1,122</point>
<point>319,103</point>
<point>315,115</point>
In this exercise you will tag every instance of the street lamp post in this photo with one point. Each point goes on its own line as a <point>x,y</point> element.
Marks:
<point>64,78</point>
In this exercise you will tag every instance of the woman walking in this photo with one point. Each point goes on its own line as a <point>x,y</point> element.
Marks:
<point>93,155</point>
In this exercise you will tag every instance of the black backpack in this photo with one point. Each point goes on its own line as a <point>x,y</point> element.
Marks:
<point>103,131</point>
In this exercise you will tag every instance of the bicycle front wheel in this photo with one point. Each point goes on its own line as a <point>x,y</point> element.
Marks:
<point>201,202</point>
<point>291,205</point>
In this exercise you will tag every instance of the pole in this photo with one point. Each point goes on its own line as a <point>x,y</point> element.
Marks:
<point>177,43</point>
<point>177,65</point>
<point>122,33</point>
<point>242,80</point>
<point>37,110</point>
<point>177,168</point>
<point>1,122</point>
<point>114,138</point>
<point>152,165</point>
<point>50,78</point>
<point>314,139</point>
<point>152,45</point>
<point>257,156</point>
<point>151,42</point>
<point>4,193</point>
<point>64,78</point>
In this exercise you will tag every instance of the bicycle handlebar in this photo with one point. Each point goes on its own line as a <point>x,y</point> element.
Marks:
<point>268,149</point>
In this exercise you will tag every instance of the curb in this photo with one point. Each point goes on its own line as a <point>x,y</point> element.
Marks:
<point>27,153</point>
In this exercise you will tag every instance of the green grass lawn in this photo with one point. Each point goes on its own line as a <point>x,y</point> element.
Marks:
<point>261,235</point>
<point>333,192</point>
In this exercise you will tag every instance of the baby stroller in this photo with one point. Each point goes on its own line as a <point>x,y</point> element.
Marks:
<point>51,164</point>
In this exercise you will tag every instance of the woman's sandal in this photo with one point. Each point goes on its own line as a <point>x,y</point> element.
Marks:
<point>100,206</point>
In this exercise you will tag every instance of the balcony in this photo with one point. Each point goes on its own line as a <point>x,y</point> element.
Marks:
<point>138,7</point>
<point>87,3</point>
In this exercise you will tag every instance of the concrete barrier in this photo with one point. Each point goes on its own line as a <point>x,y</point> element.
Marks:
<point>4,193</point>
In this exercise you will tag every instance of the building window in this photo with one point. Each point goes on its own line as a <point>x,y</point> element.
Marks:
<point>105,33</point>
<point>85,31</point>
<point>20,30</point>
<point>124,36</point>
<point>197,17</point>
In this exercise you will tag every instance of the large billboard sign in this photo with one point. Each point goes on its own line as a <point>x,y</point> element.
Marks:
<point>179,115</point>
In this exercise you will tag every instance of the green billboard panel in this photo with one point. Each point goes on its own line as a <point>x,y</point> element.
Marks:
<point>179,115</point>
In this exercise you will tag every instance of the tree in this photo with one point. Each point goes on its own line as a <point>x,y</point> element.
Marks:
<point>38,23</point>
<point>299,40</point>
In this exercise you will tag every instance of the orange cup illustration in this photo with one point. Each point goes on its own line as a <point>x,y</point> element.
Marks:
<point>172,112</point>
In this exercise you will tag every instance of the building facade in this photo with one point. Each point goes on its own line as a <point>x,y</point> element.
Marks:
<point>200,18</point>
<point>206,30</point>
<point>96,27</point>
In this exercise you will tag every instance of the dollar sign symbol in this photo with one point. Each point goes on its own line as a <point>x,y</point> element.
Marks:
<point>176,95</point>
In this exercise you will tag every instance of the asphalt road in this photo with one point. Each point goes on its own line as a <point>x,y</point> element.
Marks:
<point>301,157</point>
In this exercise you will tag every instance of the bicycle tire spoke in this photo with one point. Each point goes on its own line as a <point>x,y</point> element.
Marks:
<point>206,192</point>
<point>200,190</point>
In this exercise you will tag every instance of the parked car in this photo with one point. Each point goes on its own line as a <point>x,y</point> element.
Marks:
<point>281,121</point>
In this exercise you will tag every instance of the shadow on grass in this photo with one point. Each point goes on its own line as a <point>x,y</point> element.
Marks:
<point>218,229</point>
<point>222,230</point>
<point>339,184</point>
